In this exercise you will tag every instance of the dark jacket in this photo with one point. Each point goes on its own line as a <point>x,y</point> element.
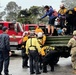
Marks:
<point>4,42</point>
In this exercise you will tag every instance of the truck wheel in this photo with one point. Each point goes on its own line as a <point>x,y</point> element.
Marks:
<point>56,60</point>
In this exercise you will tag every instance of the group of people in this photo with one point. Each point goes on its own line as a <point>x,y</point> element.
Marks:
<point>53,14</point>
<point>34,49</point>
<point>66,19</point>
<point>33,46</point>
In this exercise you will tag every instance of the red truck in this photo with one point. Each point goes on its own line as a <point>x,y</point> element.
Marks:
<point>15,32</point>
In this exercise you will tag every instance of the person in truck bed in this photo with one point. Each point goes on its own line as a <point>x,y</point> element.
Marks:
<point>49,12</point>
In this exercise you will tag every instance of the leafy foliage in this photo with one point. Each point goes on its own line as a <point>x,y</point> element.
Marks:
<point>31,15</point>
<point>69,3</point>
<point>12,10</point>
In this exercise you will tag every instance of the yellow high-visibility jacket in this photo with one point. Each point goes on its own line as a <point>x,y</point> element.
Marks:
<point>62,11</point>
<point>42,41</point>
<point>43,50</point>
<point>34,43</point>
<point>24,39</point>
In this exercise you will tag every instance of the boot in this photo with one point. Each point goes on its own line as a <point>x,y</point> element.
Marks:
<point>44,69</point>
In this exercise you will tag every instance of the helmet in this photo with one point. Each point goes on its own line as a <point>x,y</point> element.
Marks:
<point>40,34</point>
<point>74,32</point>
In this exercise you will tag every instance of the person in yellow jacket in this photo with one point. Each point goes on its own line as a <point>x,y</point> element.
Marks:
<point>41,38</point>
<point>24,55</point>
<point>33,49</point>
<point>61,14</point>
<point>48,54</point>
<point>62,10</point>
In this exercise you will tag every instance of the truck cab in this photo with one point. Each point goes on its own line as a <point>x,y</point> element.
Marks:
<point>15,32</point>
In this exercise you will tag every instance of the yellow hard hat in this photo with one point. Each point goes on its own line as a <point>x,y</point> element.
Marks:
<point>40,34</point>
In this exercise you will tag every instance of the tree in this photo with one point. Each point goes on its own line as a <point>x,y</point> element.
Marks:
<point>2,14</point>
<point>12,10</point>
<point>31,15</point>
<point>69,3</point>
<point>23,16</point>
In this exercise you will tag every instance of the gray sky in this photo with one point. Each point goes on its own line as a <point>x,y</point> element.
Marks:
<point>28,3</point>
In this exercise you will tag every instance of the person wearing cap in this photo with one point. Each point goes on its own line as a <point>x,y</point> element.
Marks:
<point>4,51</point>
<point>24,55</point>
<point>72,44</point>
<point>33,49</point>
<point>61,14</point>
<point>41,40</point>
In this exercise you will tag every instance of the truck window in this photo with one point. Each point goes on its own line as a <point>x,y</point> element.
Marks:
<point>31,27</point>
<point>1,25</point>
<point>11,26</point>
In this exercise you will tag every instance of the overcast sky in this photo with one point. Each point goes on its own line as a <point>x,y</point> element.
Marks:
<point>28,3</point>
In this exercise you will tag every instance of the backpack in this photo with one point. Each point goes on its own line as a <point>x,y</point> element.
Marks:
<point>55,13</point>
